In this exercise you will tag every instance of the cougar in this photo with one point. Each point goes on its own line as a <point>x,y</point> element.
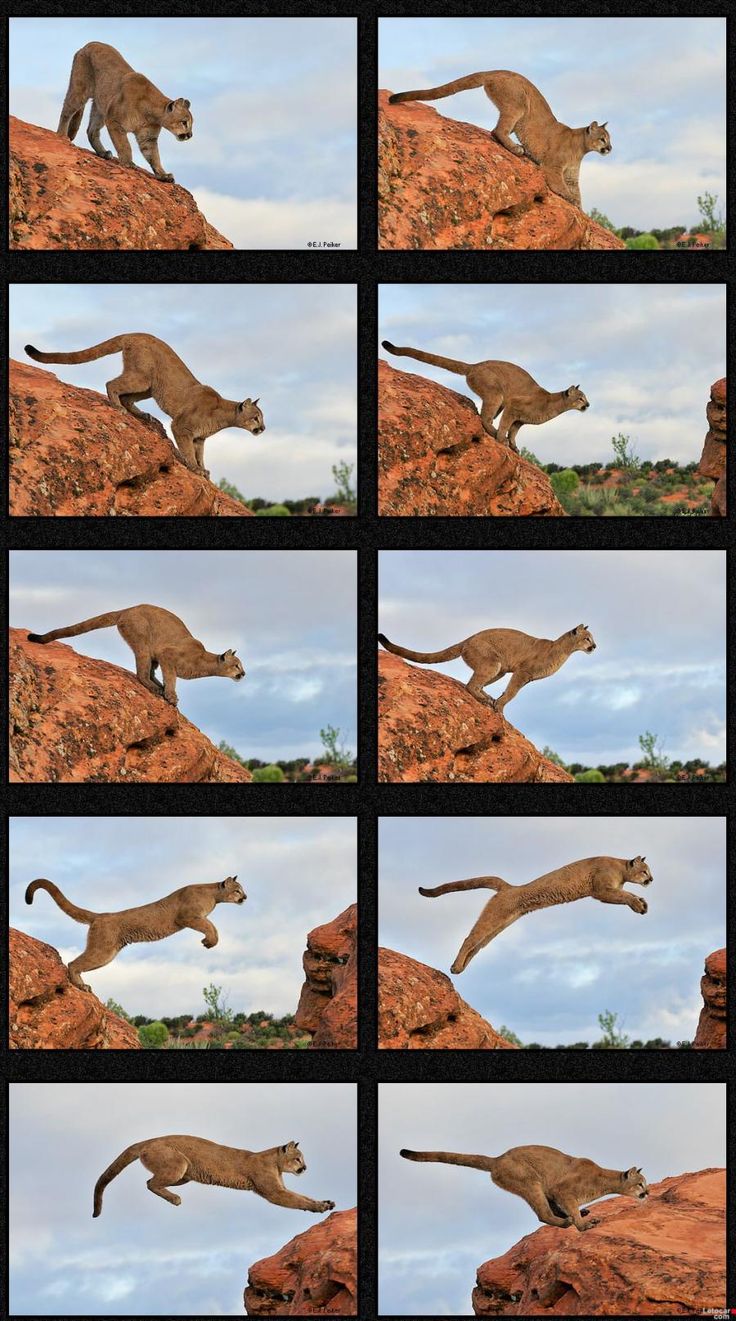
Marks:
<point>555,148</point>
<point>498,651</point>
<point>151,370</point>
<point>124,102</point>
<point>551,1183</point>
<point>591,878</point>
<point>506,389</point>
<point>157,638</point>
<point>183,1159</point>
<point>110,932</point>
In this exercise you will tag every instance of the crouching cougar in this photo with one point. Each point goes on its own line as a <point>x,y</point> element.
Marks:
<point>110,932</point>
<point>552,1184</point>
<point>183,1159</point>
<point>504,389</point>
<point>157,638</point>
<point>151,370</point>
<point>123,102</point>
<point>522,110</point>
<point>495,652</point>
<point>591,878</point>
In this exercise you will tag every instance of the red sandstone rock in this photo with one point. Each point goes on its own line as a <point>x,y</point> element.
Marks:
<point>430,728</point>
<point>445,184</point>
<point>664,1257</point>
<point>435,458</point>
<point>711,1033</point>
<point>82,720</point>
<point>419,1009</point>
<point>64,196</point>
<point>713,459</point>
<point>315,1274</point>
<point>72,453</point>
<point>47,1013</point>
<point>328,1004</point>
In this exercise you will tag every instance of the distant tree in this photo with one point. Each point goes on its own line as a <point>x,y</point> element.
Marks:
<point>269,775</point>
<point>229,751</point>
<point>612,1039</point>
<point>530,458</point>
<point>153,1035</point>
<point>335,752</point>
<point>217,1008</point>
<point>624,454</point>
<point>342,475</point>
<point>603,220</point>
<point>552,756</point>
<point>229,489</point>
<point>710,223</point>
<point>508,1035</point>
<point>642,241</point>
<point>652,751</point>
<point>115,1008</point>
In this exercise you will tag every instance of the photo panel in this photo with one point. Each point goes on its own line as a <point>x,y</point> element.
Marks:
<point>454,1243</point>
<point>641,968</point>
<point>194,1247</point>
<point>252,391</point>
<point>89,711</point>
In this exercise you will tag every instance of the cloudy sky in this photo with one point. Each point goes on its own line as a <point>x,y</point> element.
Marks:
<point>551,974</point>
<point>292,345</point>
<point>438,1223</point>
<point>272,163</point>
<point>616,342</point>
<point>143,1257</point>
<point>290,615</point>
<point>658,618</point>
<point>297,872</point>
<point>659,82</point>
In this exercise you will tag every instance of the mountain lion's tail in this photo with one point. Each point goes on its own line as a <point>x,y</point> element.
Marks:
<point>86,626</point>
<point>449,364</point>
<point>451,1158</point>
<point>125,1158</point>
<point>107,346</point>
<point>71,910</point>
<point>426,657</point>
<point>447,89</point>
<point>475,883</point>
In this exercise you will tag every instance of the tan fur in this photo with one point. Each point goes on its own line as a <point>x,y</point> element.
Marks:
<point>183,1159</point>
<point>555,148</point>
<point>498,651</point>
<point>506,389</point>
<point>552,1184</point>
<point>157,638</point>
<point>151,370</point>
<point>124,102</point>
<point>591,878</point>
<point>110,932</point>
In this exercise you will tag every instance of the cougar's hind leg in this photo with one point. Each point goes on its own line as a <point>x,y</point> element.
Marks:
<point>492,405</point>
<point>168,1168</point>
<point>536,1198</point>
<point>507,122</point>
<point>515,684</point>
<point>478,680</point>
<point>96,122</point>
<point>129,401</point>
<point>97,954</point>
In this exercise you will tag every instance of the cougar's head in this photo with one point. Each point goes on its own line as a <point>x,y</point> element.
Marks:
<point>582,638</point>
<point>230,666</point>
<point>635,1185</point>
<point>597,138</point>
<point>576,399</point>
<point>292,1161</point>
<point>178,119</point>
<point>639,872</point>
<point>250,417</point>
<point>232,892</point>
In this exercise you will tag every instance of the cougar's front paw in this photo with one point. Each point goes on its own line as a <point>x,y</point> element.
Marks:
<point>165,178</point>
<point>171,698</point>
<point>640,905</point>
<point>325,1206</point>
<point>591,1224</point>
<point>208,944</point>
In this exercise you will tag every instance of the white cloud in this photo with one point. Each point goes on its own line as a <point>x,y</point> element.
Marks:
<point>292,223</point>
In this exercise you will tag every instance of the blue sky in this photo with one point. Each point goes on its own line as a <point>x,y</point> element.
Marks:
<point>272,163</point>
<point>659,82</point>
<point>297,872</point>
<point>290,615</point>
<point>615,340</point>
<point>438,1223</point>
<point>143,1257</point>
<point>551,974</point>
<point>292,345</point>
<point>658,618</point>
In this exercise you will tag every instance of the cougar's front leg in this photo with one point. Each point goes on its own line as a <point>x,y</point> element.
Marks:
<point>210,932</point>
<point>185,443</point>
<point>148,143</point>
<point>285,1197</point>
<point>168,672</point>
<point>199,452</point>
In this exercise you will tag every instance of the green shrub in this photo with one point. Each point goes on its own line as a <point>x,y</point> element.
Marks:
<point>153,1035</point>
<point>590,777</point>
<point>273,511</point>
<point>642,241</point>
<point>269,775</point>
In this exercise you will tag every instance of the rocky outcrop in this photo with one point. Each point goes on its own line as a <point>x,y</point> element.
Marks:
<point>445,184</point>
<point>64,196</point>
<point>435,458</point>
<point>45,1012</point>
<point>713,459</point>
<point>72,453</point>
<point>430,728</point>
<point>328,1004</point>
<point>316,1274</point>
<point>711,1033</point>
<point>419,1009</point>
<point>81,720</point>
<point>663,1257</point>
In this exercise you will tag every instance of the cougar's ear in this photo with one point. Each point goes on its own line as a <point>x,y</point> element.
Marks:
<point>603,125</point>
<point>227,653</point>
<point>643,857</point>
<point>283,1150</point>
<point>185,103</point>
<point>593,127</point>
<point>632,862</point>
<point>170,108</point>
<point>244,404</point>
<point>223,884</point>
<point>638,1169</point>
<point>255,401</point>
